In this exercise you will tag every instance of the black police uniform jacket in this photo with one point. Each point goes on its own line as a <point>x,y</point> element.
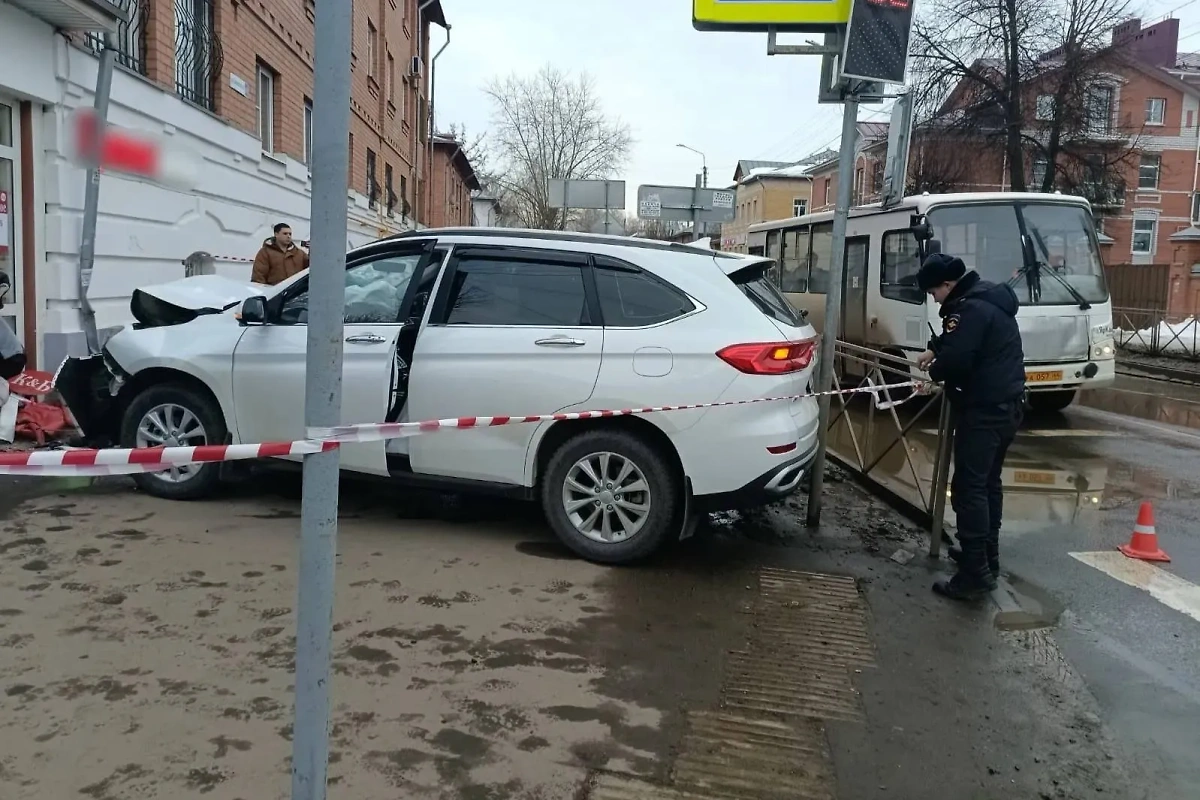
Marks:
<point>979,355</point>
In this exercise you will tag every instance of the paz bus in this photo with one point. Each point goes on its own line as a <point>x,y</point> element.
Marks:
<point>1042,245</point>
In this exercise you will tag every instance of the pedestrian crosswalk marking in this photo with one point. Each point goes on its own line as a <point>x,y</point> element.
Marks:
<point>1165,587</point>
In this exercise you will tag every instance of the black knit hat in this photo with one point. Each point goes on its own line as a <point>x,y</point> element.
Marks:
<point>940,268</point>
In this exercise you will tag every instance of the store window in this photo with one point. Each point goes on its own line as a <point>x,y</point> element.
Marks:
<point>10,314</point>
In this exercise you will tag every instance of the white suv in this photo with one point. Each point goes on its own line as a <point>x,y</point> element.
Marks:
<point>483,322</point>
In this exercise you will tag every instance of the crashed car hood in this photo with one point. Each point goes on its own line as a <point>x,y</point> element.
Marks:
<point>182,301</point>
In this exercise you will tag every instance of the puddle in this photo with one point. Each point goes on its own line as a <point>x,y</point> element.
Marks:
<point>1038,608</point>
<point>1154,401</point>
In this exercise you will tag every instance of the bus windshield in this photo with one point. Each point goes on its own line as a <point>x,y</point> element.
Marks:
<point>988,239</point>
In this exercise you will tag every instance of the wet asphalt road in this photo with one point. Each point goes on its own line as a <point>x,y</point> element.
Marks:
<point>1101,697</point>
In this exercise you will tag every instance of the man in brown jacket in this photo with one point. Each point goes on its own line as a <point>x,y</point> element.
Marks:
<point>279,258</point>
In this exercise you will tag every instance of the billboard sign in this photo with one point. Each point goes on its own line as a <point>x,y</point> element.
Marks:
<point>586,193</point>
<point>877,40</point>
<point>685,204</point>
<point>811,16</point>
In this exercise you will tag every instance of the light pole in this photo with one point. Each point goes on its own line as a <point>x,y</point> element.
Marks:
<point>701,182</point>
<point>703,164</point>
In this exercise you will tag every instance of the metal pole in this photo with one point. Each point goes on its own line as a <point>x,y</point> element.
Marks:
<point>697,225</point>
<point>833,302</point>
<point>322,399</point>
<point>941,479</point>
<point>91,197</point>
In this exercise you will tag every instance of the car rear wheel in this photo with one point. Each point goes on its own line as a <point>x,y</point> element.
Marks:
<point>610,496</point>
<point>174,415</point>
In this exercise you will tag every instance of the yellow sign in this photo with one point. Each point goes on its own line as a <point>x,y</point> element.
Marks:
<point>1044,377</point>
<point>756,15</point>
<point>1037,478</point>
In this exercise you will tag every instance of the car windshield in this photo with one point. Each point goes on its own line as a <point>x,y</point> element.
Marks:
<point>988,239</point>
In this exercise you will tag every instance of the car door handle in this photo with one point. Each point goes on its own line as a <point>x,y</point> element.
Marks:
<point>560,341</point>
<point>365,338</point>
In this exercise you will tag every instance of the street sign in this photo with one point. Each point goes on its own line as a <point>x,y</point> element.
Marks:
<point>685,204</point>
<point>895,172</point>
<point>811,16</point>
<point>598,194</point>
<point>877,40</point>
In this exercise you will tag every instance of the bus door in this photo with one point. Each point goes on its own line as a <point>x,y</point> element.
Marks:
<point>854,296</point>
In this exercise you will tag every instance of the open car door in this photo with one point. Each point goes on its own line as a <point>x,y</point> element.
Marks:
<point>269,361</point>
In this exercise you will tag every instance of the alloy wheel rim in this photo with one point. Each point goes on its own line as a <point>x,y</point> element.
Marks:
<point>172,425</point>
<point>606,497</point>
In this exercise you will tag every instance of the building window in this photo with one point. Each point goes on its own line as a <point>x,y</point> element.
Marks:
<point>130,36</point>
<point>404,195</point>
<point>197,52</point>
<point>1100,108</point>
<point>1145,230</point>
<point>372,48</point>
<point>799,206</point>
<point>1148,171</point>
<point>264,96</point>
<point>1040,166</point>
<point>389,188</point>
<point>1156,110</point>
<point>391,82</point>
<point>1045,107</point>
<point>1195,208</point>
<point>372,179</point>
<point>858,185</point>
<point>308,120</point>
<point>826,200</point>
<point>350,165</point>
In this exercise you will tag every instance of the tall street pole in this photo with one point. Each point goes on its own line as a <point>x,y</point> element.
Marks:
<point>833,302</point>
<point>322,398</point>
<point>91,196</point>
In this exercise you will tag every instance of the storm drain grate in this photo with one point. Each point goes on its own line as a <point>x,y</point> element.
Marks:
<point>809,634</point>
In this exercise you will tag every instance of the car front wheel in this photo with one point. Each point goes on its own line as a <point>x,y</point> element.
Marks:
<point>609,496</point>
<point>175,415</point>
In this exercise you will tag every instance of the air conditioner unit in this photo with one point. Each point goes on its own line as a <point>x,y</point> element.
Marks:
<point>415,67</point>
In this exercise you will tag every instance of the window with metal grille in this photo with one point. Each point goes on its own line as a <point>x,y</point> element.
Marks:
<point>129,40</point>
<point>372,179</point>
<point>197,52</point>
<point>388,186</point>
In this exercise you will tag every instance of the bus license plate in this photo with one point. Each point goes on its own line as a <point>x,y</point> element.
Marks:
<point>1034,478</point>
<point>1043,377</point>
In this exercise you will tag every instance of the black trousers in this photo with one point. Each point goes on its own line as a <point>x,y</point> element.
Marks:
<point>982,436</point>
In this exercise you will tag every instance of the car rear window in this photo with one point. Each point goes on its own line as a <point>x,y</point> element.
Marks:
<point>757,287</point>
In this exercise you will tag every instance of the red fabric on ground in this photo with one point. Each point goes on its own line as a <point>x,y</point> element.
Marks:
<point>41,421</point>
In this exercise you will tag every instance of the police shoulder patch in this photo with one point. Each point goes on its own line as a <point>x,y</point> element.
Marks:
<point>950,323</point>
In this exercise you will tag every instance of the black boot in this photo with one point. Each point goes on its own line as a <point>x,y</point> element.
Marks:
<point>993,557</point>
<point>973,578</point>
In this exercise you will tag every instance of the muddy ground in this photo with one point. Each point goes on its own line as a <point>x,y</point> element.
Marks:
<point>146,650</point>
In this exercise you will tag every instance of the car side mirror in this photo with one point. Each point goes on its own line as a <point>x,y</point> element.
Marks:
<point>254,311</point>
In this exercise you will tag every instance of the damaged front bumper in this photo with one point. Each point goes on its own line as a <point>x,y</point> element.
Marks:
<point>90,386</point>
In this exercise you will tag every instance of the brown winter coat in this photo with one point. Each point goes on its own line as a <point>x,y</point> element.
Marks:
<point>275,265</point>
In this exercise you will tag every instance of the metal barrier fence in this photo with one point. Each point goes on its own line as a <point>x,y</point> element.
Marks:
<point>862,436</point>
<point>1149,331</point>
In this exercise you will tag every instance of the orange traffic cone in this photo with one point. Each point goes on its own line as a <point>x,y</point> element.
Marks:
<point>1144,542</point>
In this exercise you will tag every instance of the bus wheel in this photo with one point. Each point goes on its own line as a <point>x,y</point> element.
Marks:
<point>894,373</point>
<point>1045,402</point>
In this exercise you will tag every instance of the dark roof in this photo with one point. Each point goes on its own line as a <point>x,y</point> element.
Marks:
<point>746,164</point>
<point>560,236</point>
<point>458,157</point>
<point>433,12</point>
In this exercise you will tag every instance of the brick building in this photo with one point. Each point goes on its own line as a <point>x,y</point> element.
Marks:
<point>452,180</point>
<point>230,81</point>
<point>766,190</point>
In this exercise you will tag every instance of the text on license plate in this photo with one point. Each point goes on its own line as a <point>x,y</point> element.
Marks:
<point>1043,377</point>
<point>1037,478</point>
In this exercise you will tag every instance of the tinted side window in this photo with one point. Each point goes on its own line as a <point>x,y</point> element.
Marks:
<point>898,275</point>
<point>507,291</point>
<point>822,255</point>
<point>795,262</point>
<point>631,299</point>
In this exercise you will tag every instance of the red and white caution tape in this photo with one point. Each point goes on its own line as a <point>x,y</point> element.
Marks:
<point>153,459</point>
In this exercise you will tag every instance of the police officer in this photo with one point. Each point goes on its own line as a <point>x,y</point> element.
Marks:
<point>979,360</point>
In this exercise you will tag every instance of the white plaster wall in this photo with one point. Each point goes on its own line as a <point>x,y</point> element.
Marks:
<point>144,231</point>
<point>26,55</point>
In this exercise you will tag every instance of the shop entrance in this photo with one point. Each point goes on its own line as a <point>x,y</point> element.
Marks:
<point>10,240</point>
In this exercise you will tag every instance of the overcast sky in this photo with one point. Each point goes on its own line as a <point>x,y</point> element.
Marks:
<point>717,92</point>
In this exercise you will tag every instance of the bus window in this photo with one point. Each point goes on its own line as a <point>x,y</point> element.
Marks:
<point>898,275</point>
<point>756,250</point>
<point>774,253</point>
<point>822,253</point>
<point>795,261</point>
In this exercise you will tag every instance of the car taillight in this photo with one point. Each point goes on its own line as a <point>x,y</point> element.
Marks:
<point>769,358</point>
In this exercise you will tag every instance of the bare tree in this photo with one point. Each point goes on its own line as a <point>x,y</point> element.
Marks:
<point>1017,77</point>
<point>549,125</point>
